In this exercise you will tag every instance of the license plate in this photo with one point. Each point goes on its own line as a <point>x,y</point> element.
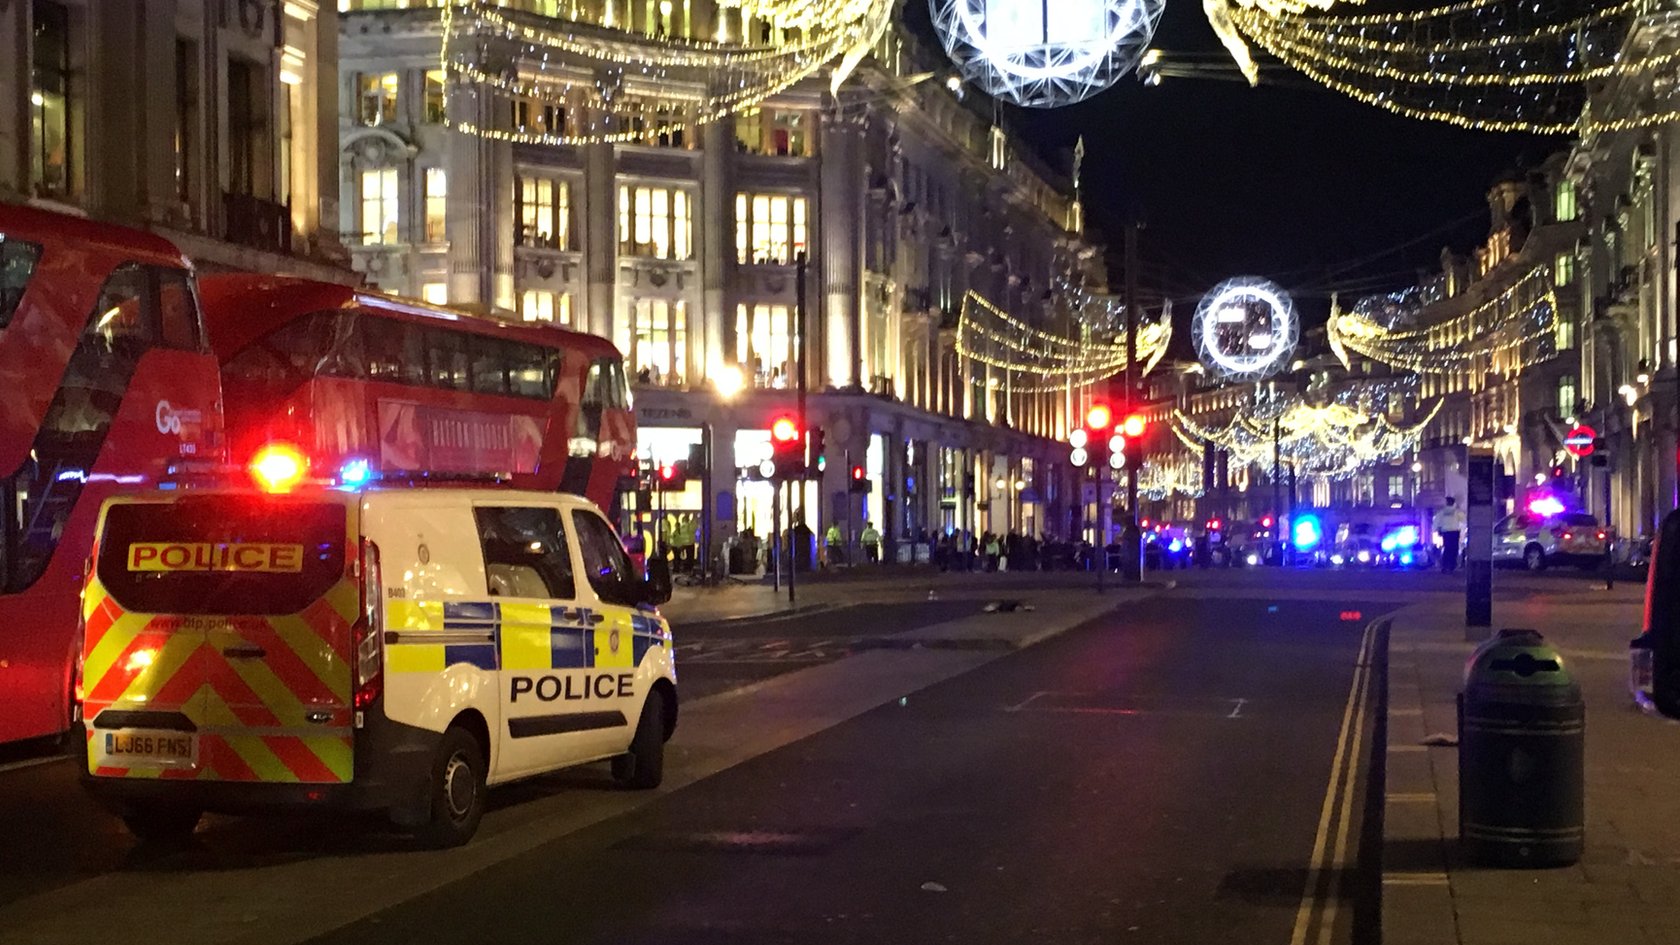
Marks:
<point>146,748</point>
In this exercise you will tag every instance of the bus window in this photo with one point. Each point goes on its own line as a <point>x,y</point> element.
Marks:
<point>446,359</point>
<point>124,318</point>
<point>490,360</point>
<point>285,357</point>
<point>179,306</point>
<point>532,371</point>
<point>17,264</point>
<point>395,351</point>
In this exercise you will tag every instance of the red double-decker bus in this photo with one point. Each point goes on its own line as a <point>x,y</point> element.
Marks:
<point>106,380</point>
<point>401,388</point>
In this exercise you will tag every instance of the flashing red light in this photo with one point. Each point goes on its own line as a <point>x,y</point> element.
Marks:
<point>1145,523</point>
<point>1099,417</point>
<point>1568,536</point>
<point>1602,536</point>
<point>784,430</point>
<point>858,473</point>
<point>1215,524</point>
<point>667,472</point>
<point>1348,616</point>
<point>1266,522</point>
<point>1134,425</point>
<point>278,467</point>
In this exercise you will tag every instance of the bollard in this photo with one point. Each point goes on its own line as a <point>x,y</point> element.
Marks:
<point>1521,738</point>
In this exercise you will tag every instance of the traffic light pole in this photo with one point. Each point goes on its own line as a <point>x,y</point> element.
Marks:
<point>801,266</point>
<point>1134,399</point>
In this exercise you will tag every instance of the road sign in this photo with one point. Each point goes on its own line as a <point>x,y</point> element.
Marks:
<point>1579,442</point>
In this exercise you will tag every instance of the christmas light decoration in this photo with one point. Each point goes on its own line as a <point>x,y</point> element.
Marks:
<point>1245,328</point>
<point>1331,440</point>
<point>1045,55</point>
<point>1506,333</point>
<point>1045,361</point>
<point>1497,65</point>
<point>562,81</point>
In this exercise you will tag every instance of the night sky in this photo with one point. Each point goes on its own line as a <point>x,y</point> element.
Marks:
<point>1293,182</point>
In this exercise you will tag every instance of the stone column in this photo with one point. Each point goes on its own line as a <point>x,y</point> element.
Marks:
<point>14,98</point>
<point>467,217</point>
<point>842,220</point>
<point>716,242</point>
<point>600,240</point>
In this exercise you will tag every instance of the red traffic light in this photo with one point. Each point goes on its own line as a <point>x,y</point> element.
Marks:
<point>784,430</point>
<point>1099,417</point>
<point>858,473</point>
<point>1134,425</point>
<point>668,472</point>
<point>1266,522</point>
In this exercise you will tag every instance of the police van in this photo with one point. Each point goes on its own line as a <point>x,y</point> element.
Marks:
<point>397,649</point>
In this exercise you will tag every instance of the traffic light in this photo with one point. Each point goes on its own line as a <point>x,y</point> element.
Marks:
<point>1099,417</point>
<point>859,482</point>
<point>1092,444</point>
<point>787,451</point>
<point>1134,427</point>
<point>819,450</point>
<point>671,477</point>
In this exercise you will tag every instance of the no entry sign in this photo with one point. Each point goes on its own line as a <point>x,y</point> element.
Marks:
<point>1579,442</point>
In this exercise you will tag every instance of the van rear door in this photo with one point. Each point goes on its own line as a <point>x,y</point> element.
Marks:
<point>263,587</point>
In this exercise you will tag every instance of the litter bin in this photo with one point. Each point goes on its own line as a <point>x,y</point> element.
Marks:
<point>1521,735</point>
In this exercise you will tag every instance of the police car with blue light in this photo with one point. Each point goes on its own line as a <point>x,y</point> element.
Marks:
<point>363,644</point>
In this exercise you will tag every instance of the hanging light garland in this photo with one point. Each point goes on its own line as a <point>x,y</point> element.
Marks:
<point>1332,440</point>
<point>585,82</point>
<point>1037,361</point>
<point>1495,65</point>
<point>1496,334</point>
<point>1180,476</point>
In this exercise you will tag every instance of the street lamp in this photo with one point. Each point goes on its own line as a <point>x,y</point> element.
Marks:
<point>729,381</point>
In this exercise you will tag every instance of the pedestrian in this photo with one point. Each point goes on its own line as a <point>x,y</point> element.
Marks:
<point>835,543</point>
<point>993,552</point>
<point>1450,523</point>
<point>871,543</point>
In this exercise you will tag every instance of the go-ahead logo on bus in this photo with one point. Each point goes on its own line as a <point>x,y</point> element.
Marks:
<point>173,421</point>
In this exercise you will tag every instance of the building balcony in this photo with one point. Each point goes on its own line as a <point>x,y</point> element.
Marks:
<point>257,223</point>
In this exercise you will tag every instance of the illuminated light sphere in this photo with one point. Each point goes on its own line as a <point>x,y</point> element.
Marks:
<point>1246,329</point>
<point>1045,55</point>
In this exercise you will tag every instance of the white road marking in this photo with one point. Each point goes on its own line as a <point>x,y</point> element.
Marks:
<point>1026,702</point>
<point>1236,710</point>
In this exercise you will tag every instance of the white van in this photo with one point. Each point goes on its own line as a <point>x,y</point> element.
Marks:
<point>398,649</point>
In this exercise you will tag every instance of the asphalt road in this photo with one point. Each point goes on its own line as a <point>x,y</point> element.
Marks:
<point>1156,776</point>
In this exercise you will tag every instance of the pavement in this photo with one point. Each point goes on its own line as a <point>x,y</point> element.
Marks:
<point>1626,889</point>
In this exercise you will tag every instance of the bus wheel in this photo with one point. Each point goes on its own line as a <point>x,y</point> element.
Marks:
<point>457,791</point>
<point>157,823</point>
<point>643,767</point>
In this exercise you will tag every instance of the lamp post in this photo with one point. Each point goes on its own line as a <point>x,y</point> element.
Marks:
<point>728,382</point>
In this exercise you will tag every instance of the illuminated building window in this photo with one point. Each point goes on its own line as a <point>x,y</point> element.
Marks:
<point>1566,393</point>
<point>770,229</point>
<point>1566,208</point>
<point>437,293</point>
<point>51,137</point>
<point>659,349</point>
<point>775,131</point>
<point>436,102</point>
<point>656,222</point>
<point>1563,270</point>
<point>764,344</point>
<point>544,209</point>
<point>377,97</point>
<point>538,118</point>
<point>379,207</point>
<point>541,305</point>
<point>437,202</point>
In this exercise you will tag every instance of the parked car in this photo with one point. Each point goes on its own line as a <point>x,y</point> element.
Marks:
<point>1537,542</point>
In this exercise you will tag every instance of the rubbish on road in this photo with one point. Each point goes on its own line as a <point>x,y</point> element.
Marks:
<point>933,595</point>
<point>1440,740</point>
<point>1521,758</point>
<point>1006,606</point>
<point>933,887</point>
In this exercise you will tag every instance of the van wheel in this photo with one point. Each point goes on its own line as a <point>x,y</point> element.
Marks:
<point>643,766</point>
<point>158,823</point>
<point>1534,558</point>
<point>457,791</point>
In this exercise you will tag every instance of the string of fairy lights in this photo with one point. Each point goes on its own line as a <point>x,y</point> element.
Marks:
<point>1502,333</point>
<point>565,80</point>
<point>1033,360</point>
<point>1494,65</point>
<point>1331,440</point>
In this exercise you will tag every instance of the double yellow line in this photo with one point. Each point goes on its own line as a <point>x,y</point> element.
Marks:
<point>1333,851</point>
